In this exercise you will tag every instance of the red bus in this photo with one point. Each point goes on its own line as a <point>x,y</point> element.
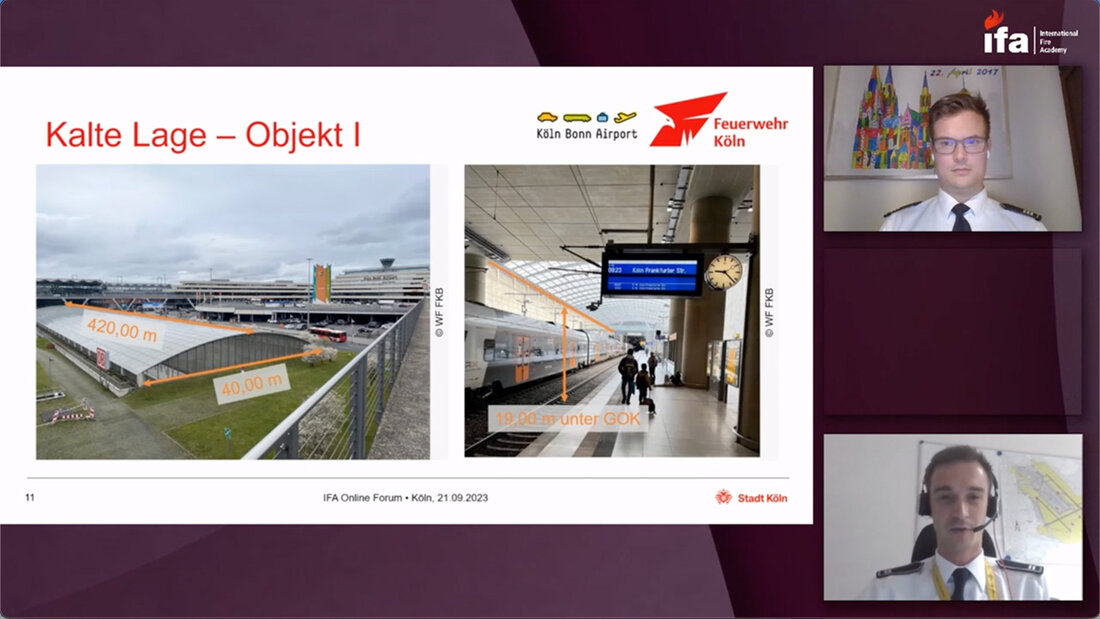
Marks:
<point>332,334</point>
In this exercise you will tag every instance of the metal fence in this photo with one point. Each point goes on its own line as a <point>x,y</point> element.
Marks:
<point>340,419</point>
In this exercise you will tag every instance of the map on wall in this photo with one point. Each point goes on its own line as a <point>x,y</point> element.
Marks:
<point>1041,518</point>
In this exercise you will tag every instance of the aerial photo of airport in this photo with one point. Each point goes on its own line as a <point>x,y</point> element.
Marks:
<point>240,312</point>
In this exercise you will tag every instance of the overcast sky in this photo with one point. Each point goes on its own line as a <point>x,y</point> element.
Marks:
<point>150,223</point>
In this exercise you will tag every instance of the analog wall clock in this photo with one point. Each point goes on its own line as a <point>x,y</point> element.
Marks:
<point>723,272</point>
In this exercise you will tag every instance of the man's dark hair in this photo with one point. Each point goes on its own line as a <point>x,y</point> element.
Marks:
<point>957,103</point>
<point>959,453</point>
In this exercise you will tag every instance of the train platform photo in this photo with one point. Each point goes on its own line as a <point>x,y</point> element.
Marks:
<point>583,281</point>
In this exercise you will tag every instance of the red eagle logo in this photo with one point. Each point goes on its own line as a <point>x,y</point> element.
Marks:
<point>994,19</point>
<point>723,496</point>
<point>687,117</point>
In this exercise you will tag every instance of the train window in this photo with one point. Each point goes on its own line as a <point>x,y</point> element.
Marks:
<point>488,347</point>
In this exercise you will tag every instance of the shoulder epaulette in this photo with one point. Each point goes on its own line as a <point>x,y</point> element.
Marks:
<point>902,207</point>
<point>912,568</point>
<point>1022,211</point>
<point>1030,568</point>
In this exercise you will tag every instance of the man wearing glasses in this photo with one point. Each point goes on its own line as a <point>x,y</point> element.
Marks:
<point>961,146</point>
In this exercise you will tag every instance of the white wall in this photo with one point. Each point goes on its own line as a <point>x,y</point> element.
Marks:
<point>871,487</point>
<point>1042,180</point>
<point>734,321</point>
<point>736,298</point>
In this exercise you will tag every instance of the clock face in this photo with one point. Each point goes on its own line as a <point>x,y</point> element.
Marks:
<point>723,272</point>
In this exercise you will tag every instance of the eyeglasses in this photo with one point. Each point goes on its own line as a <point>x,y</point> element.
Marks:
<point>946,146</point>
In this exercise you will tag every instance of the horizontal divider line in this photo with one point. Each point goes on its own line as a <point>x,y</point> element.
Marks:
<point>416,478</point>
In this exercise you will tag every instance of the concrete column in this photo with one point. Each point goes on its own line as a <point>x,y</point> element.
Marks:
<point>704,316</point>
<point>676,325</point>
<point>748,409</point>
<point>476,266</point>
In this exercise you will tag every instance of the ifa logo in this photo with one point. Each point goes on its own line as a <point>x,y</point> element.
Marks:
<point>1000,38</point>
<point>688,117</point>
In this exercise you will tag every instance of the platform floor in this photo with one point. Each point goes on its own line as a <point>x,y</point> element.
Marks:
<point>690,423</point>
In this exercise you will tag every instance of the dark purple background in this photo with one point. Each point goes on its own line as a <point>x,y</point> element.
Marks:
<point>864,287</point>
<point>968,326</point>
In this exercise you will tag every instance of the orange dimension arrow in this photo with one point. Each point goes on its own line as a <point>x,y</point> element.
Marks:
<point>564,395</point>
<point>150,383</point>
<point>164,318</point>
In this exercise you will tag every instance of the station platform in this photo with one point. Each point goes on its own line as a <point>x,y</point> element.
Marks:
<point>690,423</point>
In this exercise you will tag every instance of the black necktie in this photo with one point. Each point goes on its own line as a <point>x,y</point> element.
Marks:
<point>959,576</point>
<point>961,224</point>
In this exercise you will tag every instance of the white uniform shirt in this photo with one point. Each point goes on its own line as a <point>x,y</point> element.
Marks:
<point>920,584</point>
<point>985,215</point>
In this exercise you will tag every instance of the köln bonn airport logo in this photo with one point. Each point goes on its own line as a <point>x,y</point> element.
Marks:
<point>688,118</point>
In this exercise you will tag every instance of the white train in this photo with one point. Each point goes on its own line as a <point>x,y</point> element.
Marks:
<point>504,350</point>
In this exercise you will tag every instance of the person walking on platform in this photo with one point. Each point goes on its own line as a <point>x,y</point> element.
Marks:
<point>644,383</point>
<point>628,367</point>
<point>653,367</point>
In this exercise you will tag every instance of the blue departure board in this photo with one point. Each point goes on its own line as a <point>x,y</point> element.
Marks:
<point>652,276</point>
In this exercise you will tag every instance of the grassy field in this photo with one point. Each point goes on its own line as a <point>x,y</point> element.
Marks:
<point>43,381</point>
<point>42,384</point>
<point>248,420</point>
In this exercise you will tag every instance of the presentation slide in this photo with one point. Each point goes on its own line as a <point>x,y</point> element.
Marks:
<point>504,307</point>
<point>190,340</point>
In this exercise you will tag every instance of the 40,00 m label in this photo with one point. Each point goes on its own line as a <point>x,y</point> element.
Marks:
<point>251,384</point>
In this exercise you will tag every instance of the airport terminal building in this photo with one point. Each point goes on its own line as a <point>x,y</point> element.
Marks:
<point>406,284</point>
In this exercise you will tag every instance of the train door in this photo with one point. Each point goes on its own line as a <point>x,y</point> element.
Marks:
<point>523,358</point>
<point>572,354</point>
